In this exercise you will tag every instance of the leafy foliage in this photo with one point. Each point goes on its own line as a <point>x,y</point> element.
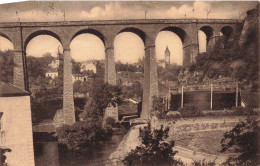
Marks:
<point>81,136</point>
<point>3,157</point>
<point>101,95</point>
<point>189,111</point>
<point>133,91</point>
<point>203,163</point>
<point>155,150</point>
<point>138,67</point>
<point>241,140</point>
<point>157,104</point>
<point>236,58</point>
<point>6,66</point>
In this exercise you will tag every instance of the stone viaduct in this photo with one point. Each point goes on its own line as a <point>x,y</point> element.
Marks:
<point>20,33</point>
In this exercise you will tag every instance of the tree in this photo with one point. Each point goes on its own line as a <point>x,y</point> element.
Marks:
<point>6,66</point>
<point>3,156</point>
<point>155,150</point>
<point>82,136</point>
<point>101,95</point>
<point>76,86</point>
<point>242,140</point>
<point>76,66</point>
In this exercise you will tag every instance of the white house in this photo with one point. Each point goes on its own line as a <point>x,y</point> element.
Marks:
<point>79,77</point>
<point>53,73</point>
<point>88,65</point>
<point>16,125</point>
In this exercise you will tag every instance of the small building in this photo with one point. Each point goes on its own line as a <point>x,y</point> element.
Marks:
<point>52,73</point>
<point>16,125</point>
<point>89,65</point>
<point>54,64</point>
<point>79,77</point>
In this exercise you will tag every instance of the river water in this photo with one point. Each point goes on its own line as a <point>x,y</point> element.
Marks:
<point>49,155</point>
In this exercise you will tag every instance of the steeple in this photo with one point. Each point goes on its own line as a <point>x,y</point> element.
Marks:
<point>167,56</point>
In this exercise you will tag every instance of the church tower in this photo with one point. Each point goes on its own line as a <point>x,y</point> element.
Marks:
<point>167,56</point>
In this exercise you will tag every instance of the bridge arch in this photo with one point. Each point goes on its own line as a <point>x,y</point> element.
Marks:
<point>90,31</point>
<point>5,36</point>
<point>6,40</point>
<point>209,32</point>
<point>227,32</point>
<point>178,31</point>
<point>41,32</point>
<point>136,31</point>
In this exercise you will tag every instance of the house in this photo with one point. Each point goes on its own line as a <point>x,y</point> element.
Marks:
<point>52,73</point>
<point>54,64</point>
<point>16,125</point>
<point>79,77</point>
<point>88,65</point>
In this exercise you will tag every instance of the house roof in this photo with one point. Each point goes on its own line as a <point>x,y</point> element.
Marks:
<point>9,90</point>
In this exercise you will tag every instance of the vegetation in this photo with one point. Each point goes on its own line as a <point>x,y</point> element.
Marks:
<point>155,150</point>
<point>82,136</point>
<point>235,59</point>
<point>189,111</point>
<point>170,72</point>
<point>242,140</point>
<point>138,67</point>
<point>203,163</point>
<point>3,157</point>
<point>101,95</point>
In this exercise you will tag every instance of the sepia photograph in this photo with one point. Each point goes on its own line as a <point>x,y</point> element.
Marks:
<point>129,83</point>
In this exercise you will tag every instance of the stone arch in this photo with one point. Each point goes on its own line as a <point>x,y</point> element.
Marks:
<point>136,31</point>
<point>90,31</point>
<point>41,32</point>
<point>178,31</point>
<point>5,36</point>
<point>227,32</point>
<point>209,32</point>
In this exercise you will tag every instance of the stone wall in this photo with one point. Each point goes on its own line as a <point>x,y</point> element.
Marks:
<point>17,130</point>
<point>198,134</point>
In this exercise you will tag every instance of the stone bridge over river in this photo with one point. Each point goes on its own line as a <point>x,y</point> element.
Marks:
<point>20,33</point>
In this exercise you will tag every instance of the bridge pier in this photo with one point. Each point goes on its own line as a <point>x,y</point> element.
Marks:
<point>150,85</point>
<point>190,53</point>
<point>68,99</point>
<point>110,69</point>
<point>212,41</point>
<point>18,78</point>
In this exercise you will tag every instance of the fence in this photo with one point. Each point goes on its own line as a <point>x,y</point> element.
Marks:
<point>206,97</point>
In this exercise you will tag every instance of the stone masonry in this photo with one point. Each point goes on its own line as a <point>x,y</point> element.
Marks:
<point>68,100</point>
<point>21,33</point>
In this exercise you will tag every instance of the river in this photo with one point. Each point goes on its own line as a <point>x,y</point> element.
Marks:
<point>49,155</point>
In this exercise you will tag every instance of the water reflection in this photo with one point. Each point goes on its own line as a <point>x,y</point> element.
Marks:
<point>48,153</point>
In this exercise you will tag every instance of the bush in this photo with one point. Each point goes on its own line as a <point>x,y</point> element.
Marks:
<point>243,111</point>
<point>242,142</point>
<point>203,163</point>
<point>155,150</point>
<point>81,136</point>
<point>3,157</point>
<point>110,121</point>
<point>189,111</point>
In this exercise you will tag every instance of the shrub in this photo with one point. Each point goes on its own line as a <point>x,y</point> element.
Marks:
<point>243,111</point>
<point>155,150</point>
<point>3,157</point>
<point>242,142</point>
<point>189,111</point>
<point>110,121</point>
<point>203,163</point>
<point>81,136</point>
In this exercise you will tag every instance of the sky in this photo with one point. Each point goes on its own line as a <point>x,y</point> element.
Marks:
<point>87,46</point>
